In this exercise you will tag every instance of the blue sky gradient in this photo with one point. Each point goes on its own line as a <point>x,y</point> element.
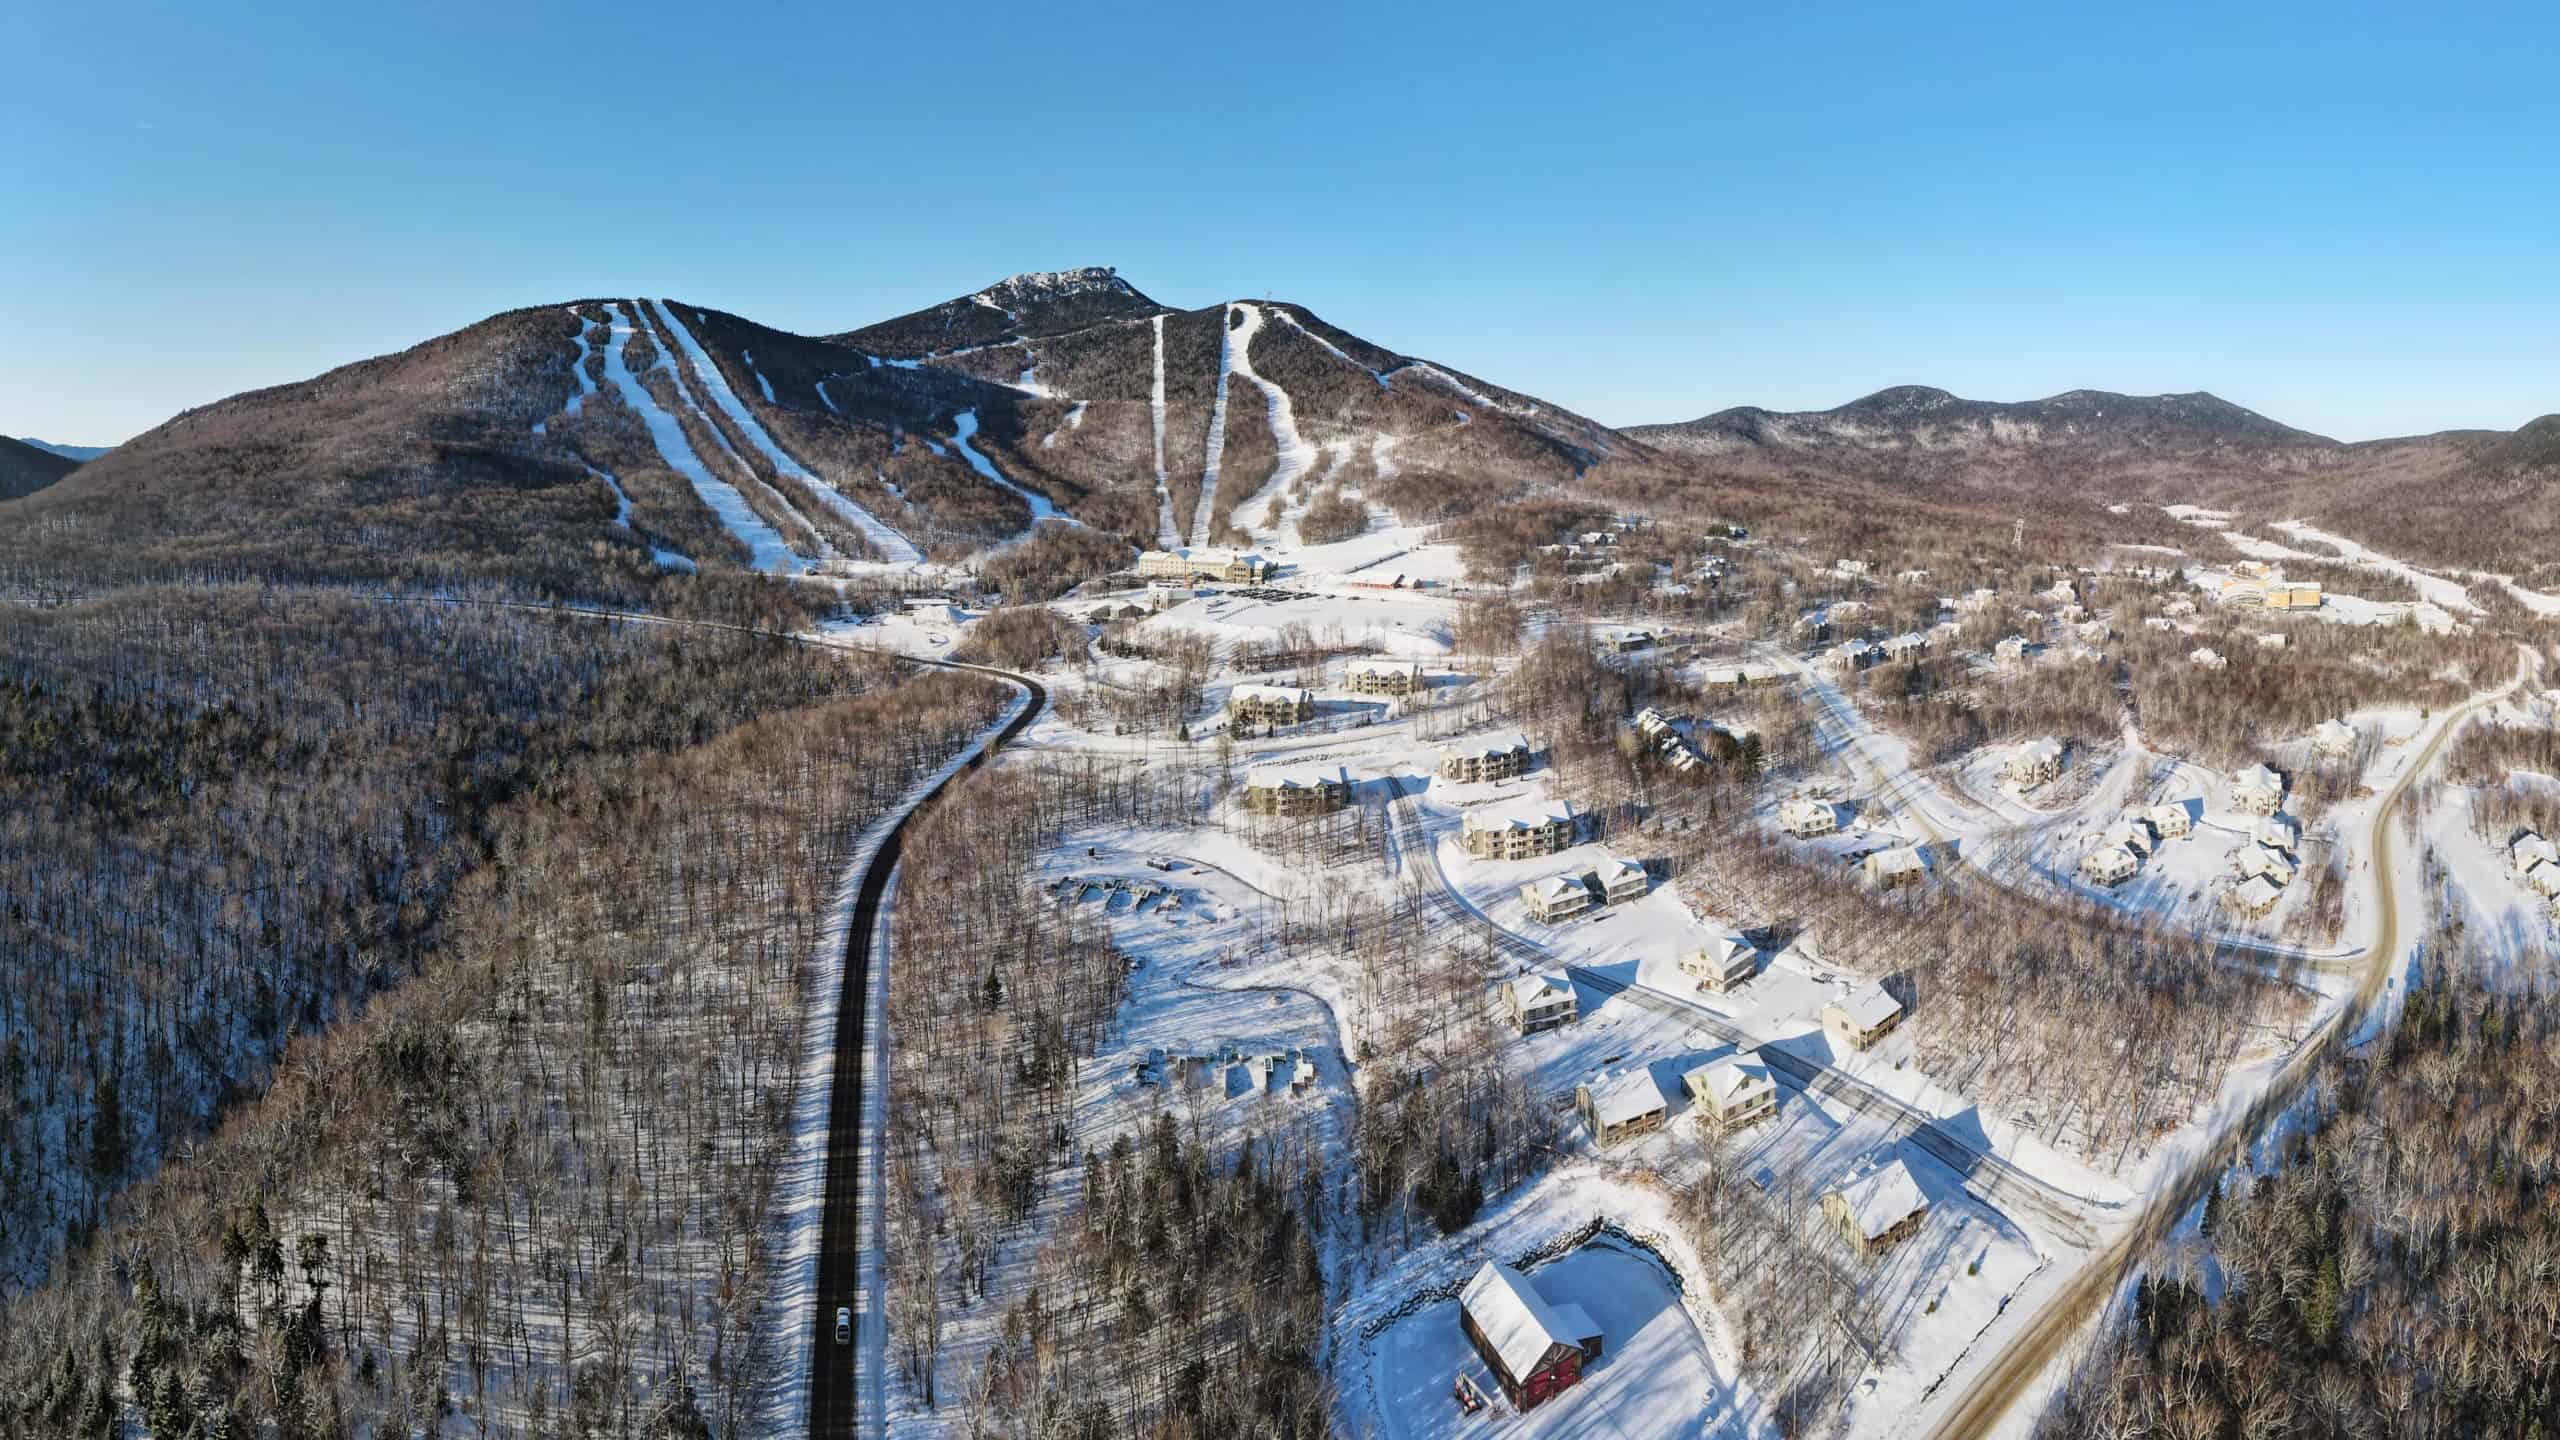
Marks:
<point>2345,216</point>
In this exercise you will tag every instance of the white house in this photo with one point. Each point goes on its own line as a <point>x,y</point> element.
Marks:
<point>2530,849</point>
<point>1861,1017</point>
<point>1538,1002</point>
<point>2257,862</point>
<point>2109,865</point>
<point>1621,1104</point>
<point>2257,790</point>
<point>2171,820</point>
<point>2131,834</point>
<point>1805,817</point>
<point>1622,880</point>
<point>2277,833</point>
<point>2035,762</point>
<point>2011,650</point>
<point>1732,1094</point>
<point>2253,897</point>
<point>1558,897</point>
<point>1721,962</point>
<point>1894,868</point>
<point>1877,1209</point>
<point>2334,738</point>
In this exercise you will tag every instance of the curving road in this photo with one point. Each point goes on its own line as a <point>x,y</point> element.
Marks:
<point>2016,1369</point>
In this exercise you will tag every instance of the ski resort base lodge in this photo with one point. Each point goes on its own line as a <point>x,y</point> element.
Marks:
<point>1534,1349</point>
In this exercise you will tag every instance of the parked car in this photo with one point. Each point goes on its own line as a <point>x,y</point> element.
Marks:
<point>844,1324</point>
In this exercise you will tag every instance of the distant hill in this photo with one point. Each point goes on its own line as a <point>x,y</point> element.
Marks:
<point>1020,307</point>
<point>81,453</point>
<point>26,469</point>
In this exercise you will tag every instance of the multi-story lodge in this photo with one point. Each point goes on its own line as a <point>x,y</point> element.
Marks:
<point>1270,705</point>
<point>1517,830</point>
<point>1497,757</point>
<point>1384,677</point>
<point>1296,789</point>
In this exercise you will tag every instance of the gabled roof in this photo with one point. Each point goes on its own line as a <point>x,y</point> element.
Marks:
<point>1283,693</point>
<point>2110,860</point>
<point>1387,667</point>
<point>1883,1198</point>
<point>2333,734</point>
<point>1726,949</point>
<point>2171,810</point>
<point>1533,991</point>
<point>2257,893</point>
<point>1558,887</point>
<point>1903,860</point>
<point>1868,1006</point>
<point>2130,835</point>
<point>1730,1080</point>
<point>1516,1321</point>
<point>2258,777</point>
<point>2530,847</point>
<point>1295,777</point>
<point>1528,814</point>
<point>1801,808</point>
<point>1618,1096</point>
<point>2277,833</point>
<point>2046,751</point>
<point>1487,746</point>
<point>1613,870</point>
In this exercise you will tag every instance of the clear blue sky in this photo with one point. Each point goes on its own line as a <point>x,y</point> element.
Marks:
<point>2345,216</point>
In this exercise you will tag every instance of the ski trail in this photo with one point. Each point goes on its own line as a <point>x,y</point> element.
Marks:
<point>824,400</point>
<point>964,425</point>
<point>1296,456</point>
<point>762,383</point>
<point>764,543</point>
<point>1074,421</point>
<point>1379,450</point>
<point>1215,451</point>
<point>578,368</point>
<point>1334,350</point>
<point>667,559</point>
<point>893,547</point>
<point>684,392</point>
<point>1168,534</point>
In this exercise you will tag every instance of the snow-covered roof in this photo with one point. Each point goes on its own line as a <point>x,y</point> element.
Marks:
<point>1902,860</point>
<point>1295,777</point>
<point>1883,1198</point>
<point>2257,893</point>
<point>2258,778</point>
<point>2047,751</point>
<point>2110,860</point>
<point>1728,1081</point>
<point>2128,835</point>
<point>2278,833</point>
<point>1487,747</point>
<point>1525,814</point>
<point>2543,878</point>
<point>2334,735</point>
<point>1618,1096</point>
<point>2172,812</point>
<point>1409,669</point>
<point>2261,862</point>
<point>1797,811</point>
<point>1279,694</point>
<point>1614,870</point>
<point>1725,949</point>
<point>2530,848</point>
<point>1557,888</point>
<point>1537,992</point>
<point>1516,1321</point>
<point>1867,1007</point>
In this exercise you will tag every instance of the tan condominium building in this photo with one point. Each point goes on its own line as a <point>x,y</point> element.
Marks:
<point>1297,790</point>
<point>1384,677</point>
<point>1496,757</point>
<point>1270,705</point>
<point>1235,567</point>
<point>1517,831</point>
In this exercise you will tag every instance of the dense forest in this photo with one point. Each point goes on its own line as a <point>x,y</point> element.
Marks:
<point>483,934</point>
<point>2393,1274</point>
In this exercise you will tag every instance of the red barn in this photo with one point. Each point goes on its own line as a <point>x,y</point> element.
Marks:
<point>1534,1349</point>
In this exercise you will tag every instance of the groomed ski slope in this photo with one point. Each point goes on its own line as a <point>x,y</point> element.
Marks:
<point>1216,449</point>
<point>1074,421</point>
<point>964,425</point>
<point>667,559</point>
<point>1334,350</point>
<point>1168,534</point>
<point>765,545</point>
<point>893,547</point>
<point>1296,456</point>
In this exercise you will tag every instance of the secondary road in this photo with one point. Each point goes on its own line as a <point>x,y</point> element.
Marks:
<point>2008,1375</point>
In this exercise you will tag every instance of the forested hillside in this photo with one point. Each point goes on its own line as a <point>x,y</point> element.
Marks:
<point>2393,1275</point>
<point>576,867</point>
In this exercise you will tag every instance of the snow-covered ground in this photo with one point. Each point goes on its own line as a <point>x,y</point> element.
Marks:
<point>2431,587</point>
<point>964,427</point>
<point>1214,452</point>
<point>1296,456</point>
<point>1168,534</point>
